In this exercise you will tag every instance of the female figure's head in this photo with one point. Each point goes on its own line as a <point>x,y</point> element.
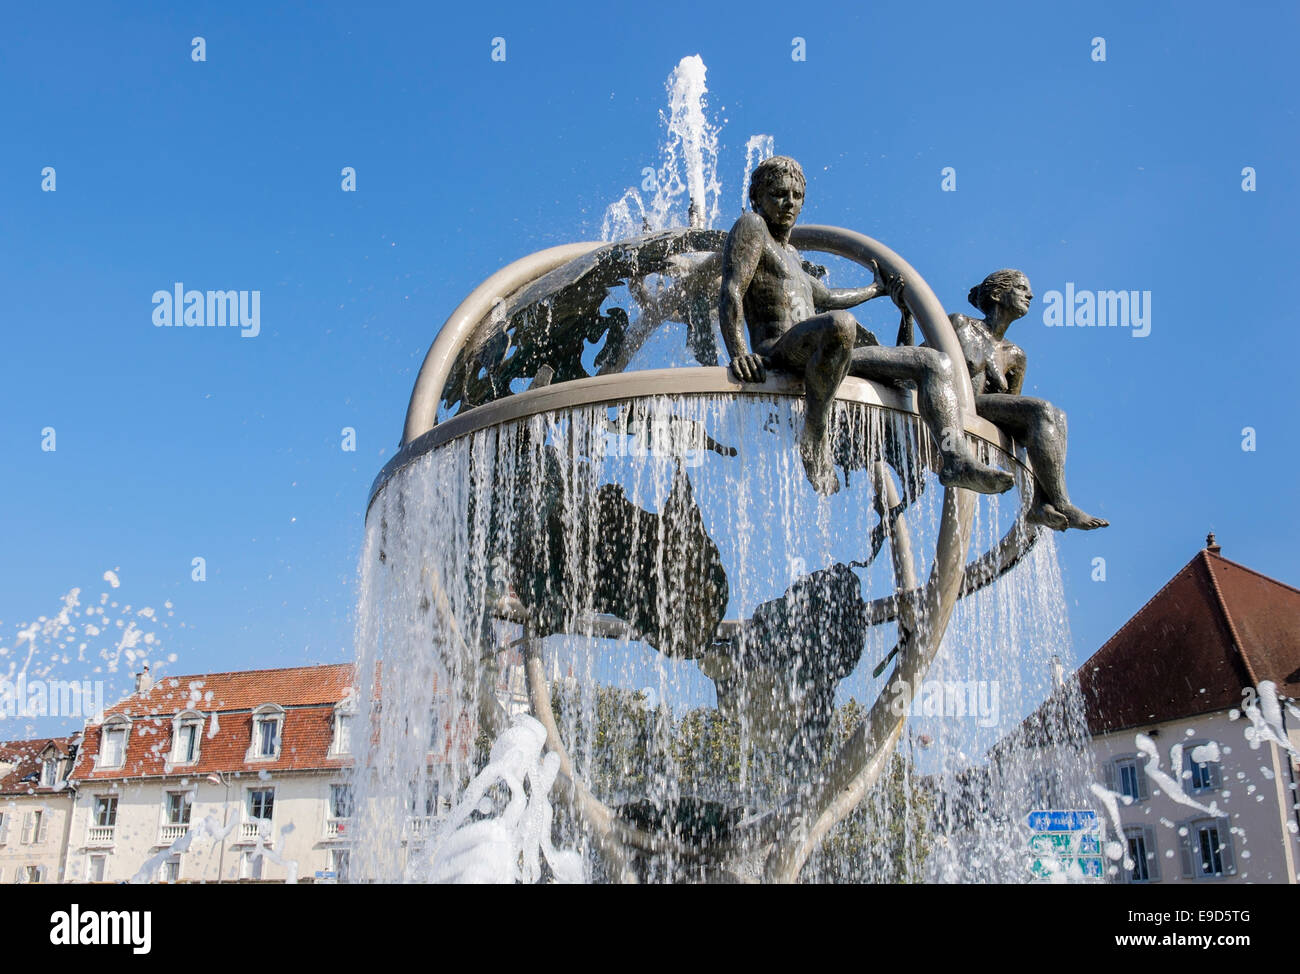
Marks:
<point>1008,289</point>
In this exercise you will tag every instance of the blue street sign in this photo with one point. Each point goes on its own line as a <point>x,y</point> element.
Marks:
<point>1055,820</point>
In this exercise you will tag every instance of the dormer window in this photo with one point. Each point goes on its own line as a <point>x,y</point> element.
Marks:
<point>268,724</point>
<point>343,716</point>
<point>112,750</point>
<point>50,771</point>
<point>187,734</point>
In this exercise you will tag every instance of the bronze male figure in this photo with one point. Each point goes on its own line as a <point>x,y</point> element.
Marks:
<point>797,324</point>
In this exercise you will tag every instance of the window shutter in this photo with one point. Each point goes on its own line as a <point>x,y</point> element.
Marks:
<point>44,826</point>
<point>1108,775</point>
<point>1216,774</point>
<point>1144,791</point>
<point>29,824</point>
<point>1185,850</point>
<point>4,826</point>
<point>1225,848</point>
<point>40,874</point>
<point>1153,853</point>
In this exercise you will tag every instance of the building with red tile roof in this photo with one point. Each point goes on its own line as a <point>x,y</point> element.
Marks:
<point>35,808</point>
<point>1215,629</point>
<point>1195,731</point>
<point>217,776</point>
<point>304,704</point>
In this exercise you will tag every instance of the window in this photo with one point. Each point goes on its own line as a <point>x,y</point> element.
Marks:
<point>112,752</point>
<point>340,801</point>
<point>1201,766</point>
<point>339,864</point>
<point>34,824</point>
<point>250,866</point>
<point>187,733</point>
<point>178,808</point>
<point>95,873</point>
<point>4,828</point>
<point>1137,851</point>
<point>268,721</point>
<point>29,874</point>
<point>1206,846</point>
<point>105,811</point>
<point>424,804</point>
<point>1126,775</point>
<point>261,804</point>
<point>259,810</point>
<point>1201,777</point>
<point>1046,790</point>
<point>342,732</point>
<point>1207,843</point>
<point>1143,854</point>
<point>267,743</point>
<point>50,772</point>
<point>1128,779</point>
<point>171,870</point>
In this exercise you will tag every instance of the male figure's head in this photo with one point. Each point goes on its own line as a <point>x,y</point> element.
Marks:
<point>776,191</point>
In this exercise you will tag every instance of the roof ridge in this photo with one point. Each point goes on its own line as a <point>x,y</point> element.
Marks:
<point>1257,573</point>
<point>68,738</point>
<point>273,669</point>
<point>1227,616</point>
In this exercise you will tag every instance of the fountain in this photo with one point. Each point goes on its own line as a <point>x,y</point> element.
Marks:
<point>601,550</point>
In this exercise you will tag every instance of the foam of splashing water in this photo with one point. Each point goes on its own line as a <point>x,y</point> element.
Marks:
<point>510,847</point>
<point>436,559</point>
<point>686,189</point>
<point>90,642</point>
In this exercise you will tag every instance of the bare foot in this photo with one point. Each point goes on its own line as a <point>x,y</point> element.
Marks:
<point>1081,519</point>
<point>1045,514</point>
<point>817,465</point>
<point>970,473</point>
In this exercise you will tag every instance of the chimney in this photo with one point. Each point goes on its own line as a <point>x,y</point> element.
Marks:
<point>143,681</point>
<point>1211,545</point>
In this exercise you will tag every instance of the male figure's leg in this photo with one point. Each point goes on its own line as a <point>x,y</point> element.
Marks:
<point>931,370</point>
<point>819,349</point>
<point>1041,427</point>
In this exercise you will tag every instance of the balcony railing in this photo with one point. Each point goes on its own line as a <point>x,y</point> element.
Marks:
<point>419,828</point>
<point>99,835</point>
<point>170,833</point>
<point>338,828</point>
<point>250,830</point>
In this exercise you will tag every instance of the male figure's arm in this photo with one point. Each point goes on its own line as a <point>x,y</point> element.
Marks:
<point>841,298</point>
<point>740,256</point>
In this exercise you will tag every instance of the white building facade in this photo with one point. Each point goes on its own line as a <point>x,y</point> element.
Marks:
<point>35,809</point>
<point>218,777</point>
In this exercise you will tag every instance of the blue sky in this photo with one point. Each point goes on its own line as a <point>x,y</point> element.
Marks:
<point>176,443</point>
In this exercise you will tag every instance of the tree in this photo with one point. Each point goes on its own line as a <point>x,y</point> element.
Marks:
<point>698,774</point>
